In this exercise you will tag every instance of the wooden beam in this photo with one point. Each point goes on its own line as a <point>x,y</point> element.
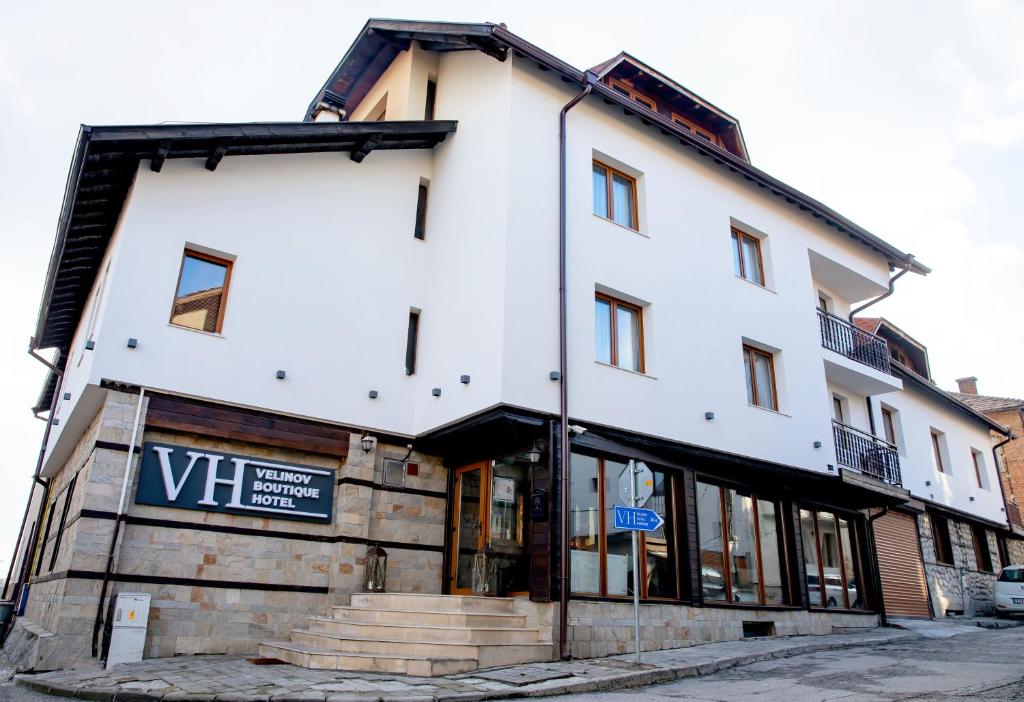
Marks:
<point>161,153</point>
<point>365,147</point>
<point>215,157</point>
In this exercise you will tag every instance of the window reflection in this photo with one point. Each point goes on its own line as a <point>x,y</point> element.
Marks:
<point>199,300</point>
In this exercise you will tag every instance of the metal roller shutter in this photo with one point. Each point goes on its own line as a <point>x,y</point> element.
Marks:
<point>904,587</point>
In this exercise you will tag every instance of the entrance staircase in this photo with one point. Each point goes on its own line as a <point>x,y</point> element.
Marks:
<point>414,634</point>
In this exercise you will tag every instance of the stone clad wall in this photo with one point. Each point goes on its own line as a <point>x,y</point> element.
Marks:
<point>960,587</point>
<point>265,576</point>
<point>599,629</point>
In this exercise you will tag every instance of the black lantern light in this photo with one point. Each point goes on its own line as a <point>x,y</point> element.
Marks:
<point>375,574</point>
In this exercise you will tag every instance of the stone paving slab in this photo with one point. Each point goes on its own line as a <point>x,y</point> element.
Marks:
<point>234,679</point>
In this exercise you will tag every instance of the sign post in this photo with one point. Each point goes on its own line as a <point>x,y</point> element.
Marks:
<point>636,485</point>
<point>636,565</point>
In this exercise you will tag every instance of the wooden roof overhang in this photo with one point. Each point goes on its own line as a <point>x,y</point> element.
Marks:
<point>104,166</point>
<point>356,73</point>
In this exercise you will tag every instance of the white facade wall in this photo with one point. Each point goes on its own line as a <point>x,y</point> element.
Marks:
<point>327,270</point>
<point>915,415</point>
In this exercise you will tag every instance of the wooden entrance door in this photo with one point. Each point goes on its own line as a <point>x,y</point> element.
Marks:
<point>489,510</point>
<point>469,524</point>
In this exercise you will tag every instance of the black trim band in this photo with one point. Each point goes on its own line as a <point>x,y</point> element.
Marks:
<point>246,531</point>
<point>393,488</point>
<point>113,446</point>
<point>187,582</point>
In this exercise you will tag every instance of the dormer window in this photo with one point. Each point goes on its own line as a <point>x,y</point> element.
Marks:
<point>692,126</point>
<point>624,88</point>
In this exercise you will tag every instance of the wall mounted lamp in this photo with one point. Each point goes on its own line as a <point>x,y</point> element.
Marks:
<point>281,374</point>
<point>367,442</point>
<point>133,342</point>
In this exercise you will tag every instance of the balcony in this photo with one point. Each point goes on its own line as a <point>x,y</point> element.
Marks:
<point>866,454</point>
<point>846,339</point>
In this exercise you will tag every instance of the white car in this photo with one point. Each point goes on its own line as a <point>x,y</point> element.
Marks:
<point>1009,591</point>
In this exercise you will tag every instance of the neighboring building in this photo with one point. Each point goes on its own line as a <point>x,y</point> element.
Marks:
<point>1009,412</point>
<point>351,337</point>
<point>948,464</point>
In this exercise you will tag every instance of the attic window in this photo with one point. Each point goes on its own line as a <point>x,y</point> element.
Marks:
<point>624,89</point>
<point>699,131</point>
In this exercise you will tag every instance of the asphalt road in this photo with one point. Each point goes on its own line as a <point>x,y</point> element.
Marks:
<point>988,665</point>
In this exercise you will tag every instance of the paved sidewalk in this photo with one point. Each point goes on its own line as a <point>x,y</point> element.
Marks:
<point>234,679</point>
<point>952,626</point>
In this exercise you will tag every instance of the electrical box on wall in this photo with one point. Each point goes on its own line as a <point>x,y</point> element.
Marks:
<point>128,630</point>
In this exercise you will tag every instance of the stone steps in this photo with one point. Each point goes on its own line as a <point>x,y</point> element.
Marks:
<point>437,603</point>
<point>429,617</point>
<point>323,659</point>
<point>415,634</point>
<point>421,632</point>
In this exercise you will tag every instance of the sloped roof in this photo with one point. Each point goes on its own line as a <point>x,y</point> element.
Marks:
<point>949,399</point>
<point>989,403</point>
<point>381,40</point>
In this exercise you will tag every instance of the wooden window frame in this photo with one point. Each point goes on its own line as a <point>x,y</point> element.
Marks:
<point>610,174</point>
<point>942,540</point>
<point>784,549</point>
<point>614,303</point>
<point>856,558</point>
<point>602,542</point>
<point>888,426</point>
<point>980,537</point>
<point>750,352</point>
<point>736,239</point>
<point>977,469</point>
<point>210,258</point>
<point>937,451</point>
<point>696,129</point>
<point>633,94</point>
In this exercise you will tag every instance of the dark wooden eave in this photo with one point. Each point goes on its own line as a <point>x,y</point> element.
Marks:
<point>104,166</point>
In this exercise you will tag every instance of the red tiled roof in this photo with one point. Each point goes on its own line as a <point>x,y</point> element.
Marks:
<point>988,403</point>
<point>868,324</point>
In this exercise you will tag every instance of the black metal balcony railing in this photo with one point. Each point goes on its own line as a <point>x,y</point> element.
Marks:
<point>866,454</point>
<point>844,338</point>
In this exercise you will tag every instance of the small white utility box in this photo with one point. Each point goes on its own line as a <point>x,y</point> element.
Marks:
<point>128,633</point>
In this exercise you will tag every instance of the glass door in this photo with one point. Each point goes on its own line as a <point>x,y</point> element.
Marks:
<point>468,535</point>
<point>491,510</point>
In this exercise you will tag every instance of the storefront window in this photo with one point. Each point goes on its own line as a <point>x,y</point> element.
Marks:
<point>709,531</point>
<point>771,552</point>
<point>594,491</point>
<point>739,510</point>
<point>659,546</point>
<point>810,544</point>
<point>585,520</point>
<point>834,579</point>
<point>742,531</point>
<point>619,542</point>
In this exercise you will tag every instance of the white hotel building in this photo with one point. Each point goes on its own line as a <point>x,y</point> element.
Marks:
<point>374,297</point>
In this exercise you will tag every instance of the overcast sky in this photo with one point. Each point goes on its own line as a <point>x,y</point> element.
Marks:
<point>906,117</point>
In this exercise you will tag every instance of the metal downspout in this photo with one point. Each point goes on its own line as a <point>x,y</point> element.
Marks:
<point>563,363</point>
<point>30,545</point>
<point>892,289</point>
<point>117,525</point>
<point>1002,490</point>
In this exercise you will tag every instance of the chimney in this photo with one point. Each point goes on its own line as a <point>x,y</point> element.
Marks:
<point>968,386</point>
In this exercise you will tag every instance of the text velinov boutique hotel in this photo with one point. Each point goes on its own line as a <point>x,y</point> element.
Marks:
<point>356,391</point>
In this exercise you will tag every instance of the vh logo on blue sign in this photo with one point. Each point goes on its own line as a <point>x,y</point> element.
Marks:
<point>177,476</point>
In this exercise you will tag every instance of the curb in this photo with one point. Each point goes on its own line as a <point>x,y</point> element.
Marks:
<point>618,682</point>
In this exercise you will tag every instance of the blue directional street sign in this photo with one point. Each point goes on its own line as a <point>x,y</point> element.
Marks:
<point>637,519</point>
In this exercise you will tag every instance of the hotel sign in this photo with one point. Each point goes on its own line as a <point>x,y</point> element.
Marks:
<point>213,481</point>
